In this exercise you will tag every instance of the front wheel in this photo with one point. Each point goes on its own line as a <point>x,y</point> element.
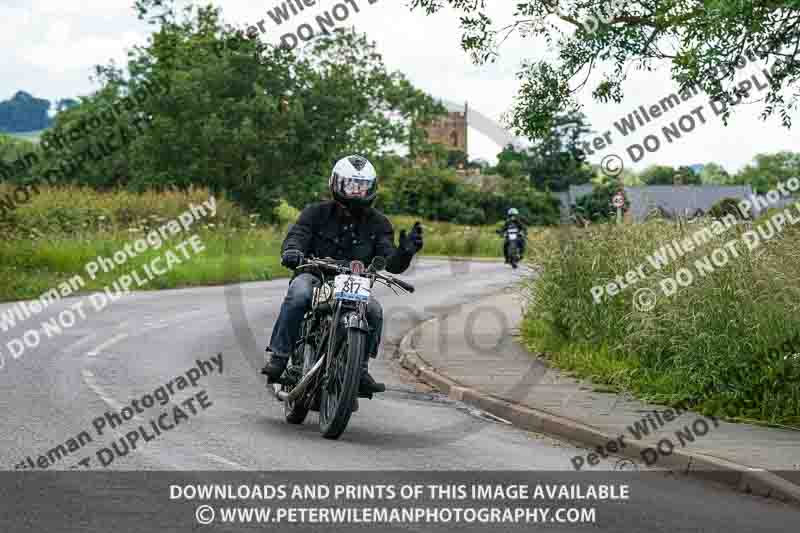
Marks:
<point>514,253</point>
<point>296,412</point>
<point>341,384</point>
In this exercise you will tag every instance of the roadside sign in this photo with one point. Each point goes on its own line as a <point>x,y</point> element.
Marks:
<point>618,200</point>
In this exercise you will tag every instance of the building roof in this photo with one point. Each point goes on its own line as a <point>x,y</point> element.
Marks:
<point>682,200</point>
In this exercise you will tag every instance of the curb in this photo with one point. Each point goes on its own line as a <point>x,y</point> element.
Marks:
<point>743,478</point>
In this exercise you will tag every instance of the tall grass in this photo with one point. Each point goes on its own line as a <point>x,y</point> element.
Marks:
<point>453,240</point>
<point>53,236</point>
<point>714,344</point>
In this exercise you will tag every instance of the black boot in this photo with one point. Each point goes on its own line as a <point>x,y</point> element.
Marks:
<point>368,386</point>
<point>274,367</point>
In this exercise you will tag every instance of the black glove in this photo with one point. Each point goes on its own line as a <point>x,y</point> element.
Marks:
<point>411,243</point>
<point>292,258</point>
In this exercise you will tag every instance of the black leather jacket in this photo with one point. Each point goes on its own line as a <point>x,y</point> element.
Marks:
<point>327,229</point>
<point>519,223</point>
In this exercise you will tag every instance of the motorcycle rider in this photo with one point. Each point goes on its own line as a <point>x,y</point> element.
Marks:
<point>345,228</point>
<point>514,220</point>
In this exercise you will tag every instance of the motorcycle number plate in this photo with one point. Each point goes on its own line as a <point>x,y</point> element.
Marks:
<point>354,288</point>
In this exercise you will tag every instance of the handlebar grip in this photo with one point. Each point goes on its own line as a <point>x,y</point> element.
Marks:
<point>403,285</point>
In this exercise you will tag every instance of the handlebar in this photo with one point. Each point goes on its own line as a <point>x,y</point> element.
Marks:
<point>403,285</point>
<point>343,267</point>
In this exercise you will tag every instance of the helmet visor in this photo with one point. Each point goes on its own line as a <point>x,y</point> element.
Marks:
<point>355,187</point>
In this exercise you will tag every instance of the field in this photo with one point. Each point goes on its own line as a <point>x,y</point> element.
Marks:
<point>725,344</point>
<point>56,234</point>
<point>32,136</point>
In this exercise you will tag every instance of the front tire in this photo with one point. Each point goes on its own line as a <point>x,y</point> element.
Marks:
<point>514,256</point>
<point>297,411</point>
<point>341,387</point>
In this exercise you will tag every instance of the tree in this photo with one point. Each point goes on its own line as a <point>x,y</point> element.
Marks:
<point>557,160</point>
<point>66,103</point>
<point>687,176</point>
<point>244,117</point>
<point>768,170</point>
<point>600,39</point>
<point>658,175</point>
<point>714,174</point>
<point>12,149</point>
<point>510,162</point>
<point>596,206</point>
<point>456,159</point>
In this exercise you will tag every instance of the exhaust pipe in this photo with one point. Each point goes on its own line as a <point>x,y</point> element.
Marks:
<point>298,390</point>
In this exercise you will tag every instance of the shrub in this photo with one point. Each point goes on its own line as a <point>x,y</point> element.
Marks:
<point>596,206</point>
<point>724,207</point>
<point>286,214</point>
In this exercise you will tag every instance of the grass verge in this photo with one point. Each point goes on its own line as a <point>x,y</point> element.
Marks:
<point>724,344</point>
<point>53,236</point>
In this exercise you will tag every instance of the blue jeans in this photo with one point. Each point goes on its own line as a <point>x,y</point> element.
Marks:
<point>297,302</point>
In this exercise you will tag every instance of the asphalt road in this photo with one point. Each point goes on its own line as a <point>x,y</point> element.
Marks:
<point>53,392</point>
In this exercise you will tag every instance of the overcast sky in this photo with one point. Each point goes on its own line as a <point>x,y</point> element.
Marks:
<point>51,46</point>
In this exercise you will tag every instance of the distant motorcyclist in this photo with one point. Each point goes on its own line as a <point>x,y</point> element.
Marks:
<point>346,228</point>
<point>514,220</point>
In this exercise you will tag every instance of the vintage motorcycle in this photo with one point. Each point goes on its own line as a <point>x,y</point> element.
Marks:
<point>324,371</point>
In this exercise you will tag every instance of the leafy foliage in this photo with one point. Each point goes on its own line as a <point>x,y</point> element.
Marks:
<point>596,206</point>
<point>667,175</point>
<point>438,194</point>
<point>724,207</point>
<point>703,40</point>
<point>258,122</point>
<point>768,170</point>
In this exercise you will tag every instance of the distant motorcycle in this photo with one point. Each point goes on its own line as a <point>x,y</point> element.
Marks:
<point>324,371</point>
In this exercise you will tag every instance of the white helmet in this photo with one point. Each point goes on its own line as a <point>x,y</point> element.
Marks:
<point>354,182</point>
<point>512,212</point>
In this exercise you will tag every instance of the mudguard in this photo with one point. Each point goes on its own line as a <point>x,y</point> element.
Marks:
<point>351,319</point>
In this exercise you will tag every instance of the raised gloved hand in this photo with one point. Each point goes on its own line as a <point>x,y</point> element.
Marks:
<point>412,242</point>
<point>292,258</point>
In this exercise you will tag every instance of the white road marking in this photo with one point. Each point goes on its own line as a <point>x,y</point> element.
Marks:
<point>80,341</point>
<point>110,342</point>
<point>224,461</point>
<point>89,379</point>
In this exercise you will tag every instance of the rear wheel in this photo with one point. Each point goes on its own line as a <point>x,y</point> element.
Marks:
<point>341,387</point>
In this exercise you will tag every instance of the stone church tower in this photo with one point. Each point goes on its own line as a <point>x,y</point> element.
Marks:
<point>450,131</point>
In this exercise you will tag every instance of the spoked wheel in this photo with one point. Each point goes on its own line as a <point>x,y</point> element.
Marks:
<point>341,385</point>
